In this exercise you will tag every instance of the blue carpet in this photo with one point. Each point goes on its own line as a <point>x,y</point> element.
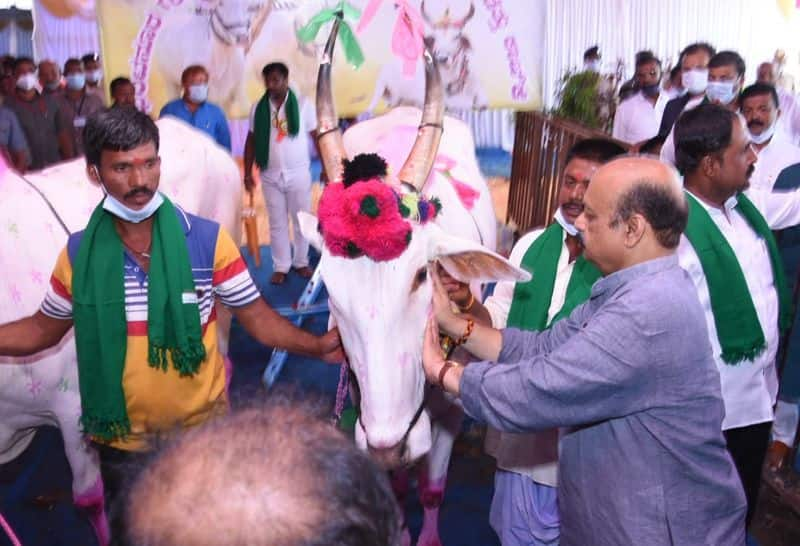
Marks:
<point>465,511</point>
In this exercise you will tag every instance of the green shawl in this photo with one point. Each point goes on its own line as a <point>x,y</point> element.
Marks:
<point>738,329</point>
<point>263,125</point>
<point>532,299</point>
<point>98,293</point>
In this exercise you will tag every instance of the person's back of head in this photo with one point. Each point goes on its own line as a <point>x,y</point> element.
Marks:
<point>278,475</point>
<point>699,132</point>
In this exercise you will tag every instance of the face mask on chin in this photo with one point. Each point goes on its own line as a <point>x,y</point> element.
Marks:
<point>76,81</point>
<point>51,86</point>
<point>765,135</point>
<point>118,209</point>
<point>592,66</point>
<point>569,228</point>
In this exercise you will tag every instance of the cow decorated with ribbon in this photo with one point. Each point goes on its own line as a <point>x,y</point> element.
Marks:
<point>399,205</point>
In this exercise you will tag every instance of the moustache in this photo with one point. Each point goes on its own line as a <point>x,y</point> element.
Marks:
<point>573,206</point>
<point>754,124</point>
<point>137,191</point>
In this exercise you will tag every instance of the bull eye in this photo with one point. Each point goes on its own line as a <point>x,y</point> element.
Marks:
<point>419,278</point>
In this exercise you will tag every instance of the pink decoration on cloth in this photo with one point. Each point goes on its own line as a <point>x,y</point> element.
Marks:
<point>467,194</point>
<point>92,501</point>
<point>349,231</point>
<point>407,36</point>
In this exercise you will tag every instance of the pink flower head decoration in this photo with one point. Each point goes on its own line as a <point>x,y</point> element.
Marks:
<point>366,217</point>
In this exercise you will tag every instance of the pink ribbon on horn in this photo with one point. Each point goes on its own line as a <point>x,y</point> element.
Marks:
<point>466,193</point>
<point>407,36</point>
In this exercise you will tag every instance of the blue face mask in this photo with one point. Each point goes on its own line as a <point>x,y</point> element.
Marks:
<point>722,92</point>
<point>76,81</point>
<point>569,228</point>
<point>198,93</point>
<point>122,212</point>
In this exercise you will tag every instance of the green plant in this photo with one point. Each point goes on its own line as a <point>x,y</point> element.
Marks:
<point>579,98</point>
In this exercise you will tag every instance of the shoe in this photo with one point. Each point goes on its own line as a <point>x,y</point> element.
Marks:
<point>305,271</point>
<point>776,455</point>
<point>278,278</point>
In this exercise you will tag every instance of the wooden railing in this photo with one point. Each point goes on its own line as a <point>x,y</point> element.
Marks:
<point>541,144</point>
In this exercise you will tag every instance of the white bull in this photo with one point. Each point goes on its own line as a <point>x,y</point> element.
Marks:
<point>196,173</point>
<point>217,36</point>
<point>381,307</point>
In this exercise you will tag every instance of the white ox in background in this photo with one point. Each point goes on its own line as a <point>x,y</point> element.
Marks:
<point>218,36</point>
<point>448,42</point>
<point>195,173</point>
<point>381,307</point>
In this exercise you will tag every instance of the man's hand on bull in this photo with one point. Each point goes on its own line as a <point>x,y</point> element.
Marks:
<point>446,317</point>
<point>438,371</point>
<point>330,347</point>
<point>459,292</point>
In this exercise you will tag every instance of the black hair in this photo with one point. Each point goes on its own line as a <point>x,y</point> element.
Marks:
<point>71,61</point>
<point>646,57</point>
<point>599,150</point>
<point>758,89</point>
<point>277,67</point>
<point>593,51</point>
<point>22,60</point>
<point>728,58</point>
<point>675,71</point>
<point>696,47</point>
<point>117,130</point>
<point>701,131</point>
<point>653,145</point>
<point>118,82</point>
<point>90,57</point>
<point>664,209</point>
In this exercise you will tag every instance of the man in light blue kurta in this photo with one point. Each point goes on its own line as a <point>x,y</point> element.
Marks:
<point>630,372</point>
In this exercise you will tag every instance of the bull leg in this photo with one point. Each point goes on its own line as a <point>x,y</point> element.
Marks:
<point>87,483</point>
<point>399,479</point>
<point>433,470</point>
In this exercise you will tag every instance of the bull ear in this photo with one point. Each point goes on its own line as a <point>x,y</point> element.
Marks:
<point>308,227</point>
<point>469,261</point>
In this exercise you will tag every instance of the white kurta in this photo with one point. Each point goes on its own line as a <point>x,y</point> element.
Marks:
<point>772,159</point>
<point>637,119</point>
<point>286,183</point>
<point>749,389</point>
<point>789,122</point>
<point>534,455</point>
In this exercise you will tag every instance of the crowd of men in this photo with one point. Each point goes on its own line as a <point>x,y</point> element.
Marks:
<point>630,386</point>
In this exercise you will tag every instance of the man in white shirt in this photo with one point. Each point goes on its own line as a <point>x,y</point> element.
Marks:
<point>759,106</point>
<point>725,78</point>
<point>789,121</point>
<point>524,507</point>
<point>278,142</point>
<point>730,254</point>
<point>639,117</point>
<point>693,61</point>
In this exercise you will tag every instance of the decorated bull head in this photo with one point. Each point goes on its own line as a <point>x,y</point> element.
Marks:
<point>234,22</point>
<point>378,235</point>
<point>446,35</point>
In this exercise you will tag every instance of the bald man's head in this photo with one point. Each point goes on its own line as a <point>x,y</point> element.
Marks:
<point>276,475</point>
<point>766,73</point>
<point>635,211</point>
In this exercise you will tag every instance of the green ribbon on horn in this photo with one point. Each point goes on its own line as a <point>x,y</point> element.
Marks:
<point>352,50</point>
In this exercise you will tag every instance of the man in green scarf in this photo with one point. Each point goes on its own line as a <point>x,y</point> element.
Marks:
<point>281,124</point>
<point>139,284</point>
<point>730,254</point>
<point>524,507</point>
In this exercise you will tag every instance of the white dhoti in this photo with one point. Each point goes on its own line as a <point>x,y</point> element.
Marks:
<point>285,195</point>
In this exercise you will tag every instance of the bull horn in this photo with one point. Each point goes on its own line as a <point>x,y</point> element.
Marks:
<point>425,15</point>
<point>467,17</point>
<point>418,165</point>
<point>329,136</point>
